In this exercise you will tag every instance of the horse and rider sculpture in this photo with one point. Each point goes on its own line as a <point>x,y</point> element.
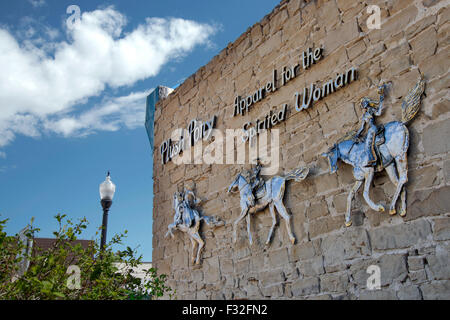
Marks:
<point>187,219</point>
<point>383,147</point>
<point>256,194</point>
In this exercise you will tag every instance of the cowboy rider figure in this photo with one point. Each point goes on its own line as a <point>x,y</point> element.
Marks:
<point>178,206</point>
<point>188,202</point>
<point>187,205</point>
<point>255,180</point>
<point>371,109</point>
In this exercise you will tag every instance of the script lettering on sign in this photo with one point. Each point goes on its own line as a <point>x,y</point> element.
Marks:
<point>304,99</point>
<point>315,94</point>
<point>195,131</point>
<point>308,58</point>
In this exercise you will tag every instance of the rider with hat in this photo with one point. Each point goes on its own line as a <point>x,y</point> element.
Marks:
<point>255,180</point>
<point>371,109</point>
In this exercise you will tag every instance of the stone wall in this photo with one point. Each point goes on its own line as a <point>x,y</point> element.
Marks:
<point>329,260</point>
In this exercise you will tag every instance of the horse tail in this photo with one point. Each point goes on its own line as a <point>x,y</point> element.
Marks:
<point>298,174</point>
<point>411,102</point>
<point>213,221</point>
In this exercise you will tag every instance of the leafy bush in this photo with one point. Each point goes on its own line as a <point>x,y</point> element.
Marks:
<point>47,276</point>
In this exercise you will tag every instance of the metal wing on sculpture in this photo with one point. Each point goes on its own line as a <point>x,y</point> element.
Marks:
<point>298,174</point>
<point>411,103</point>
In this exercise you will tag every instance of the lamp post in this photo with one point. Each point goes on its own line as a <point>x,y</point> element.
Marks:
<point>107,190</point>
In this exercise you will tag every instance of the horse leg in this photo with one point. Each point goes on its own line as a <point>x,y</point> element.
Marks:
<point>201,244</point>
<point>194,245</point>
<point>274,222</point>
<point>250,240</point>
<point>356,186</point>
<point>402,168</point>
<point>287,219</point>
<point>369,172</point>
<point>242,215</point>
<point>403,201</point>
<point>391,171</point>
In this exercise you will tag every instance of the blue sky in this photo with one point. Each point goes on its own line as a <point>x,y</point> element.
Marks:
<point>72,101</point>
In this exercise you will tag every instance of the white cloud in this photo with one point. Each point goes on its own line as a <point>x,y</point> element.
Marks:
<point>2,155</point>
<point>42,85</point>
<point>37,3</point>
<point>111,115</point>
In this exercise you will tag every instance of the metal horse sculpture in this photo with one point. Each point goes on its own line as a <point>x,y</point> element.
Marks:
<point>188,220</point>
<point>392,145</point>
<point>271,194</point>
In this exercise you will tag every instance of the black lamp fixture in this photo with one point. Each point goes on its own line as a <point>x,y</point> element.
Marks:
<point>107,190</point>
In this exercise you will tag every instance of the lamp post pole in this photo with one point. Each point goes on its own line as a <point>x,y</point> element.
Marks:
<point>107,190</point>
<point>106,204</point>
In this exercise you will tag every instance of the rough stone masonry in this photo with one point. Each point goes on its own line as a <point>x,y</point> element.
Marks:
<point>329,261</point>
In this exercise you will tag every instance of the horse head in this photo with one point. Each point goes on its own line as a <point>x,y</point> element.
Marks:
<point>332,155</point>
<point>234,184</point>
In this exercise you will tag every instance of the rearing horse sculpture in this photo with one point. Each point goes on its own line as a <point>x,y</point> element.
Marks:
<point>271,194</point>
<point>187,220</point>
<point>392,145</point>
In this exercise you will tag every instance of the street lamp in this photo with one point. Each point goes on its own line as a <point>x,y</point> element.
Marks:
<point>107,189</point>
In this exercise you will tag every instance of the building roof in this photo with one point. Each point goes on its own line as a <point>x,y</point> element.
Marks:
<point>44,244</point>
<point>47,243</point>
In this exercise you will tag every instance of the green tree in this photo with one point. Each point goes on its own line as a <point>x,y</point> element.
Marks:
<point>99,277</point>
